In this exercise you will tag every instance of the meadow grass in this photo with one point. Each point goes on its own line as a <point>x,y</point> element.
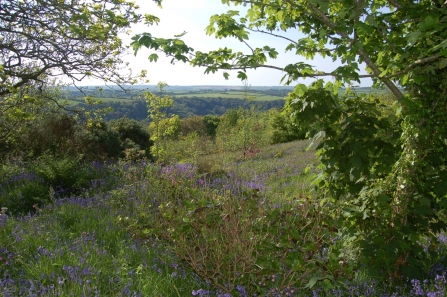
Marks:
<point>110,238</point>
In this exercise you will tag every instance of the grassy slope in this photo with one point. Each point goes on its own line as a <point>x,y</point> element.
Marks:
<point>80,246</point>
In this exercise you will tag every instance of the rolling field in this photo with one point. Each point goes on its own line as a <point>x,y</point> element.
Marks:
<point>78,100</point>
<point>217,93</point>
<point>229,95</point>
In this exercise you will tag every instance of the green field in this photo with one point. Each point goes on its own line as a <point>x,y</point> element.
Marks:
<point>103,99</point>
<point>224,94</point>
<point>229,95</point>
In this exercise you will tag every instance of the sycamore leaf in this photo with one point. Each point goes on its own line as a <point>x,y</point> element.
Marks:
<point>413,36</point>
<point>242,75</point>
<point>429,23</point>
<point>405,78</point>
<point>300,89</point>
<point>153,58</point>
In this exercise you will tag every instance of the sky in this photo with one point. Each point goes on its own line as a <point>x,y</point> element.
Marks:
<point>192,16</point>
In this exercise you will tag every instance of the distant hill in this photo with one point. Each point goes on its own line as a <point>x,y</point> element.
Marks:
<point>188,100</point>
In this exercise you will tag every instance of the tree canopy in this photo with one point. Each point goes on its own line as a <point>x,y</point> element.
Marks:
<point>75,39</point>
<point>392,38</point>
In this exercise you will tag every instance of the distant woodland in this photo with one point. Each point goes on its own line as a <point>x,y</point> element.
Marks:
<point>188,102</point>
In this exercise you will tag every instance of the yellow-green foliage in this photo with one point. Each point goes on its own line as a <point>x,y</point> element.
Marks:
<point>242,130</point>
<point>161,132</point>
<point>161,127</point>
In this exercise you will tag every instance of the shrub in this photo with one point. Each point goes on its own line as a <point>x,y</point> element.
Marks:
<point>98,142</point>
<point>54,133</point>
<point>211,123</point>
<point>133,135</point>
<point>244,131</point>
<point>283,128</point>
<point>193,124</point>
<point>235,239</point>
<point>23,192</point>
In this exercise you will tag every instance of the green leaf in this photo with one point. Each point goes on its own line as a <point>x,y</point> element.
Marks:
<point>424,201</point>
<point>327,285</point>
<point>153,58</point>
<point>297,265</point>
<point>442,64</point>
<point>181,34</point>
<point>405,78</point>
<point>412,37</point>
<point>312,282</point>
<point>242,75</point>
<point>383,73</point>
<point>364,28</point>
<point>383,198</point>
<point>226,75</point>
<point>300,89</point>
<point>429,23</point>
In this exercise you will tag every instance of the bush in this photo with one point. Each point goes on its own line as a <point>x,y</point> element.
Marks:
<point>362,158</point>
<point>98,142</point>
<point>25,187</point>
<point>193,124</point>
<point>283,128</point>
<point>133,135</point>
<point>235,239</point>
<point>54,133</point>
<point>22,193</point>
<point>244,131</point>
<point>61,173</point>
<point>211,123</point>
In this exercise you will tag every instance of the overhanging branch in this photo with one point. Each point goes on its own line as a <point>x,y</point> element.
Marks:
<point>369,62</point>
<point>316,74</point>
<point>272,34</point>
<point>414,64</point>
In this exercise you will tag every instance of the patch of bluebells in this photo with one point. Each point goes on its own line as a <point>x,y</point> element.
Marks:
<point>180,171</point>
<point>16,181</point>
<point>442,238</point>
<point>430,288</point>
<point>201,293</point>
<point>82,274</point>
<point>14,282</point>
